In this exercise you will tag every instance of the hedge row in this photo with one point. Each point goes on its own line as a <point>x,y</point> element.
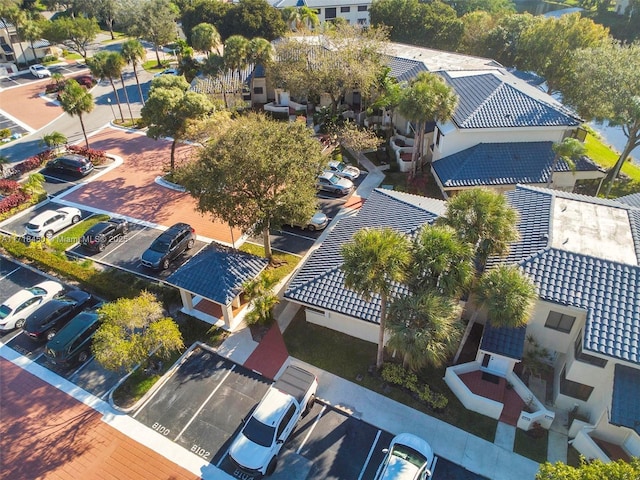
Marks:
<point>37,161</point>
<point>7,187</point>
<point>12,201</point>
<point>97,157</point>
<point>398,375</point>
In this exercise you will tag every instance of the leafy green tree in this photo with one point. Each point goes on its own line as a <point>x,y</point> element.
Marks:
<point>54,140</point>
<point>31,30</point>
<point>262,299</point>
<point>131,330</point>
<point>441,262</point>
<point>424,329</point>
<point>74,33</point>
<point>108,65</point>
<point>373,261</point>
<point>595,469</point>
<point>308,18</point>
<point>154,21</point>
<point>546,46</point>
<point>4,160</point>
<point>76,100</point>
<point>205,37</point>
<point>133,52</point>
<point>171,109</point>
<point>477,26</point>
<point>212,13</point>
<point>490,6</point>
<point>34,184</point>
<point>503,39</point>
<point>568,150</point>
<point>427,98</point>
<point>605,86</point>
<point>482,218</point>
<point>253,18</point>
<point>105,11</point>
<point>11,12</point>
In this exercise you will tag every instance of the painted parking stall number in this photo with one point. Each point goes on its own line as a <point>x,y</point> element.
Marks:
<point>161,429</point>
<point>201,452</point>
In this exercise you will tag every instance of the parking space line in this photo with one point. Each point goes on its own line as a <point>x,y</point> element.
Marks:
<point>81,367</point>
<point>324,407</point>
<point>435,461</point>
<point>371,450</point>
<point>18,332</point>
<point>205,402</point>
<point>122,243</point>
<point>10,273</point>
<point>297,235</point>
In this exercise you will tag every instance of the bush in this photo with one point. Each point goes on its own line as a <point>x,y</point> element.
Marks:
<point>398,375</point>
<point>85,80</point>
<point>97,157</point>
<point>7,187</point>
<point>37,161</point>
<point>5,133</point>
<point>12,201</point>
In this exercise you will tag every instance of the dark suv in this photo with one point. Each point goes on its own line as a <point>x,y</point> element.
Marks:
<point>72,344</point>
<point>72,164</point>
<point>45,322</point>
<point>169,246</point>
<point>102,233</point>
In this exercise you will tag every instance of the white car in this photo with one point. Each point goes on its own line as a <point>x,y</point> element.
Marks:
<point>39,71</point>
<point>407,458</point>
<point>343,170</point>
<point>49,222</point>
<point>18,307</point>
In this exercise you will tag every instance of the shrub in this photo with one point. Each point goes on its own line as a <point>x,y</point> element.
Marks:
<point>85,80</point>
<point>97,157</point>
<point>34,162</point>
<point>7,187</point>
<point>5,133</point>
<point>12,201</point>
<point>398,375</point>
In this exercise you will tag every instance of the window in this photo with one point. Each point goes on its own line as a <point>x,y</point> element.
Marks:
<point>559,321</point>
<point>585,357</point>
<point>258,90</point>
<point>574,389</point>
<point>345,9</point>
<point>285,421</point>
<point>362,21</point>
<point>362,8</point>
<point>437,137</point>
<point>329,13</point>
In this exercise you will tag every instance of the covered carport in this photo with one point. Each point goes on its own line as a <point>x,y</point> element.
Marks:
<point>210,284</point>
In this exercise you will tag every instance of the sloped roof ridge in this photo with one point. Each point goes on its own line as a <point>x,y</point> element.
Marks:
<point>427,204</point>
<point>582,198</point>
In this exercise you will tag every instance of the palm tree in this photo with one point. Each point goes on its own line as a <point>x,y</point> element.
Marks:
<point>54,140</point>
<point>424,329</point>
<point>103,67</point>
<point>235,56</point>
<point>34,184</point>
<point>308,17</point>
<point>568,150</point>
<point>291,16</point>
<point>262,298</point>
<point>132,51</point>
<point>427,98</point>
<point>441,261</point>
<point>7,10</point>
<point>31,30</point>
<point>115,65</point>
<point>4,160</point>
<point>205,37</point>
<point>373,261</point>
<point>483,219</point>
<point>76,100</point>
<point>259,52</point>
<point>17,17</point>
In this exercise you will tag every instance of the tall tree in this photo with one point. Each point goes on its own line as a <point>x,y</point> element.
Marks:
<point>424,329</point>
<point>605,86</point>
<point>568,150</point>
<point>308,18</point>
<point>74,33</point>
<point>8,10</point>
<point>588,470</point>
<point>171,109</point>
<point>205,37</point>
<point>253,18</point>
<point>133,52</point>
<point>155,21</point>
<point>76,100</point>
<point>15,15</point>
<point>373,261</point>
<point>256,175</point>
<point>546,46</point>
<point>54,140</point>
<point>204,12</point>
<point>427,98</point>
<point>483,219</point>
<point>503,39</point>
<point>108,65</point>
<point>31,30</point>
<point>236,58</point>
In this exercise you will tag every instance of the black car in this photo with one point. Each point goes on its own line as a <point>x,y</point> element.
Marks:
<point>45,322</point>
<point>102,233</point>
<point>72,164</point>
<point>168,246</point>
<point>72,344</point>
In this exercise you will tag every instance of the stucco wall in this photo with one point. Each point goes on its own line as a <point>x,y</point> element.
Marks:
<point>342,323</point>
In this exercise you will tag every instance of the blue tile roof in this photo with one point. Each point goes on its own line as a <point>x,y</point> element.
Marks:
<point>217,273</point>
<point>508,342</point>
<point>320,281</point>
<point>625,407</point>
<point>403,69</point>
<point>633,199</point>
<point>485,101</point>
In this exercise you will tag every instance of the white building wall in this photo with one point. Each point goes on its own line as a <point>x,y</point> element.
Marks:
<point>345,324</point>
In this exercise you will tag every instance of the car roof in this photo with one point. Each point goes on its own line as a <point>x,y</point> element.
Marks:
<point>71,330</point>
<point>272,407</point>
<point>17,298</point>
<point>43,216</point>
<point>99,227</point>
<point>176,228</point>
<point>326,175</point>
<point>47,309</point>
<point>73,156</point>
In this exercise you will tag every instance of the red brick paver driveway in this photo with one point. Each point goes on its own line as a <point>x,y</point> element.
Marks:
<point>25,104</point>
<point>46,434</point>
<point>130,189</point>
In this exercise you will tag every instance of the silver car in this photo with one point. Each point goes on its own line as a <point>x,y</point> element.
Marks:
<point>319,221</point>
<point>343,170</point>
<point>330,182</point>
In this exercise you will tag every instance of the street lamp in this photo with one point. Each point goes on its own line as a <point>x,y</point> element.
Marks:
<point>112,110</point>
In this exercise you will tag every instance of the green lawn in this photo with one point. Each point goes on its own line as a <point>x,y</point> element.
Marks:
<point>531,447</point>
<point>282,264</point>
<point>350,358</point>
<point>72,236</point>
<point>604,156</point>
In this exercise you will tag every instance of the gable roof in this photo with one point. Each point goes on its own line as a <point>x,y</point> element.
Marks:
<point>503,164</point>
<point>217,273</point>
<point>404,69</point>
<point>633,199</point>
<point>320,281</point>
<point>625,408</point>
<point>486,101</point>
<point>508,342</point>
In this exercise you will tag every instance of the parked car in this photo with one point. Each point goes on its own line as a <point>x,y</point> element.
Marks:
<point>47,320</point>
<point>72,344</point>
<point>71,164</point>
<point>47,223</point>
<point>169,246</point>
<point>408,458</point>
<point>255,450</point>
<point>15,309</point>
<point>168,71</point>
<point>319,221</point>
<point>39,71</point>
<point>330,182</point>
<point>101,234</point>
<point>341,169</point>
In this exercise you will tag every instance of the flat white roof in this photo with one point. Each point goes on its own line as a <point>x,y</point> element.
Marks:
<point>590,229</point>
<point>437,60</point>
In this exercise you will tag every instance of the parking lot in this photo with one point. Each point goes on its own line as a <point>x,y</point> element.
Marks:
<point>17,223</point>
<point>26,78</point>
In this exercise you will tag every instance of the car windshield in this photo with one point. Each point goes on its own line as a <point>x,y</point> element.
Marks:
<point>38,67</point>
<point>340,167</point>
<point>35,291</point>
<point>334,179</point>
<point>4,311</point>
<point>410,455</point>
<point>160,244</point>
<point>259,433</point>
<point>32,226</point>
